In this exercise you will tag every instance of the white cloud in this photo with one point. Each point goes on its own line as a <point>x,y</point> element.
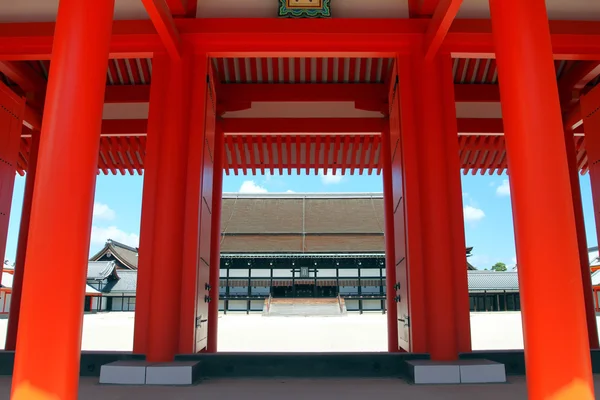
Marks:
<point>251,187</point>
<point>101,235</point>
<point>504,189</point>
<point>327,177</point>
<point>103,211</point>
<point>473,214</point>
<point>289,191</point>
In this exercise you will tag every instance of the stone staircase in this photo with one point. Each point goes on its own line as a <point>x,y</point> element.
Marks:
<point>305,307</point>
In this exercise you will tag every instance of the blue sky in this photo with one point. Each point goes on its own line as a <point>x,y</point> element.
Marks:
<point>486,202</point>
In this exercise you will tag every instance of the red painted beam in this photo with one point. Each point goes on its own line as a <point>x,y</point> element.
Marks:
<point>444,14</point>
<point>33,40</point>
<point>487,127</point>
<point>127,94</point>
<point>161,17</point>
<point>23,75</point>
<point>310,126</point>
<point>571,84</point>
<point>303,92</point>
<point>476,93</point>
<point>422,8</point>
<point>178,7</point>
<point>243,126</point>
<point>571,40</point>
<point>236,96</point>
<point>261,37</point>
<point>124,127</point>
<point>306,126</point>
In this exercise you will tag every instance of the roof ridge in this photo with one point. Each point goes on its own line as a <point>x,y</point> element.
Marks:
<point>122,245</point>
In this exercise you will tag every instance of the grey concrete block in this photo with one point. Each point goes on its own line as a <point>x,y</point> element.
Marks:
<point>433,372</point>
<point>481,371</point>
<point>124,373</point>
<point>175,373</point>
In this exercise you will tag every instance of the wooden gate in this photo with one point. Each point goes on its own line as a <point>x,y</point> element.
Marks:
<point>401,284</point>
<point>206,196</point>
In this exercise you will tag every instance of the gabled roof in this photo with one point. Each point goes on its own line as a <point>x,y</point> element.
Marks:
<point>493,280</point>
<point>100,270</point>
<point>126,256</point>
<point>126,283</point>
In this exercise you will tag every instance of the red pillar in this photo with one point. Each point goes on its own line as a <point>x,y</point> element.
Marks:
<point>215,243</point>
<point>390,243</point>
<point>61,212</point>
<point>584,262</point>
<point>167,117</point>
<point>542,204</point>
<point>143,308</point>
<point>454,203</point>
<point>429,129</point>
<point>15,303</point>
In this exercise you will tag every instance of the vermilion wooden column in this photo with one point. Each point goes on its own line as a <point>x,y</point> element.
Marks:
<point>584,262</point>
<point>143,307</point>
<point>192,302</point>
<point>542,204</point>
<point>215,243</point>
<point>429,87</point>
<point>454,203</point>
<point>17,287</point>
<point>169,208</point>
<point>61,212</point>
<point>390,243</point>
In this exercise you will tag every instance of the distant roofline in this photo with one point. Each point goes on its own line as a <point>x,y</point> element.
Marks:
<point>311,195</point>
<point>119,244</point>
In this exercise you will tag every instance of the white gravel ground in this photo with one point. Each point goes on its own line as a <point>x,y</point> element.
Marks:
<point>241,332</point>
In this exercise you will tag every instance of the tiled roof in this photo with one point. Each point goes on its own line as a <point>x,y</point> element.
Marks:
<point>99,270</point>
<point>126,283</point>
<point>493,280</point>
<point>126,256</point>
<point>302,223</point>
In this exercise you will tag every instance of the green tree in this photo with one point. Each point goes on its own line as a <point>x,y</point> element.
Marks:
<point>499,267</point>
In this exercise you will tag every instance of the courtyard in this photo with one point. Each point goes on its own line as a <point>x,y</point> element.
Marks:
<point>351,333</point>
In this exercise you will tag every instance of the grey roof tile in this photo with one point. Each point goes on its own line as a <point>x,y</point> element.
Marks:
<point>99,270</point>
<point>493,280</point>
<point>126,283</point>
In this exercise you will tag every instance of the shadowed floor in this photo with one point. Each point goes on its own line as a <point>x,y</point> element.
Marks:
<point>298,389</point>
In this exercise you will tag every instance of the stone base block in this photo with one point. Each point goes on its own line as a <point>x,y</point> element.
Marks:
<point>433,372</point>
<point>124,373</point>
<point>453,372</point>
<point>175,373</point>
<point>481,371</point>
